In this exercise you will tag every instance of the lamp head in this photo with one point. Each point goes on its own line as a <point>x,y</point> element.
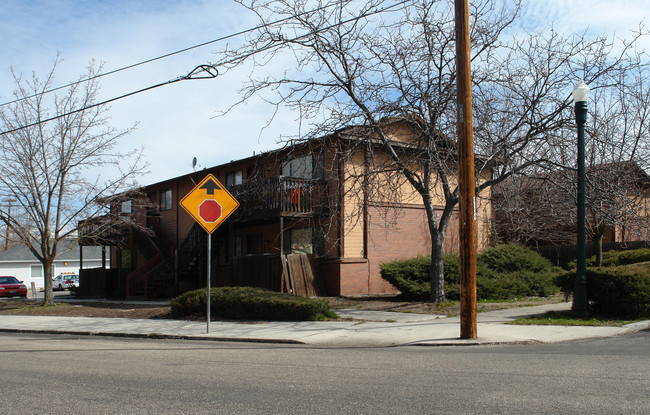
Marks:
<point>581,92</point>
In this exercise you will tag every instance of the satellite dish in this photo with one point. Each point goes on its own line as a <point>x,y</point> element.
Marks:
<point>194,161</point>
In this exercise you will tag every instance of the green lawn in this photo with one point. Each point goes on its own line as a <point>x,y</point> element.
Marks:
<point>554,318</point>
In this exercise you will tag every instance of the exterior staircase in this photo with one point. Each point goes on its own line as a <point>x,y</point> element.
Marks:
<point>156,275</point>
<point>190,260</point>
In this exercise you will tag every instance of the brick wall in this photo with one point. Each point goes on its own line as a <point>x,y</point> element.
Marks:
<point>354,277</point>
<point>347,277</point>
<point>394,233</point>
<point>397,233</point>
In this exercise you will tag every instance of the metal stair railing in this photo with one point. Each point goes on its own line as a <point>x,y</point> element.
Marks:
<point>136,281</point>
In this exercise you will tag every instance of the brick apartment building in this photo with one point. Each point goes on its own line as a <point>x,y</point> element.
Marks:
<point>311,197</point>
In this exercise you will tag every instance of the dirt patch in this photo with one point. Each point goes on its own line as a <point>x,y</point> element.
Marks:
<point>448,308</point>
<point>83,309</point>
<point>27,307</point>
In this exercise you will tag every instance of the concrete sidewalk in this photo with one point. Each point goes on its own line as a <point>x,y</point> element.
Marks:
<point>368,329</point>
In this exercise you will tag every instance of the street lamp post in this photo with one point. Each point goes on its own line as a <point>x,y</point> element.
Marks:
<point>580,303</point>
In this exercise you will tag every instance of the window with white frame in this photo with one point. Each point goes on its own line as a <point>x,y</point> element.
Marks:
<point>234,178</point>
<point>166,199</point>
<point>126,207</point>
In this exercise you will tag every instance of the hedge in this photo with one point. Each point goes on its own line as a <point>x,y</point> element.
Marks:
<point>410,276</point>
<point>619,292</point>
<point>615,258</point>
<point>248,303</point>
<point>514,258</point>
<point>503,272</point>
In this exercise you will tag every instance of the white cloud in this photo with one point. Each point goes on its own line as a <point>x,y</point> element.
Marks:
<point>598,16</point>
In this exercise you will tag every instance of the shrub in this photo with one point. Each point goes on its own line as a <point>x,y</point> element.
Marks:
<point>452,276</point>
<point>248,303</point>
<point>615,258</point>
<point>410,276</point>
<point>513,258</point>
<point>511,271</point>
<point>506,286</point>
<point>564,280</point>
<point>501,287</point>
<point>620,292</point>
<point>503,272</point>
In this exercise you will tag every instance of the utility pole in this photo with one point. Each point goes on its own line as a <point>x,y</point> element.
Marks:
<point>466,180</point>
<point>7,230</point>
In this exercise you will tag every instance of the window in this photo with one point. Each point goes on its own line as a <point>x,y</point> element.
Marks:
<point>166,199</point>
<point>233,178</point>
<point>36,272</point>
<point>126,207</point>
<point>126,259</point>
<point>300,241</point>
<point>305,240</point>
<point>300,167</point>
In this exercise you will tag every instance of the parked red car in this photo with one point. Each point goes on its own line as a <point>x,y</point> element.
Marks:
<point>11,287</point>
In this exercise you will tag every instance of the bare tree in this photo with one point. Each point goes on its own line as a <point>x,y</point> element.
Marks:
<point>373,64</point>
<point>542,208</point>
<point>55,172</point>
<point>533,211</point>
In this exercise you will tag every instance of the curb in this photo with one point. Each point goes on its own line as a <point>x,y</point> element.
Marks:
<point>638,326</point>
<point>476,342</point>
<point>156,336</point>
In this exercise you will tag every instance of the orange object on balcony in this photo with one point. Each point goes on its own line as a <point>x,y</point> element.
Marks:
<point>294,198</point>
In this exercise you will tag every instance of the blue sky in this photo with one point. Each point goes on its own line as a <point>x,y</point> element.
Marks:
<point>176,122</point>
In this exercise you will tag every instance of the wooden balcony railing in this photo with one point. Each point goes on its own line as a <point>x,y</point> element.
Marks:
<point>281,195</point>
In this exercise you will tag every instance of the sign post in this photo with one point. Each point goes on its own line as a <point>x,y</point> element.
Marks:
<point>207,329</point>
<point>210,204</point>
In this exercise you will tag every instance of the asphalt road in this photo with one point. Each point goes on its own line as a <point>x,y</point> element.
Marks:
<point>59,374</point>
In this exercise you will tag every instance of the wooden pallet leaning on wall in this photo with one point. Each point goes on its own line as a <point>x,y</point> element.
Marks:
<point>299,276</point>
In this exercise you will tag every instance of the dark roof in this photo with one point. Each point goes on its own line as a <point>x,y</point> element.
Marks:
<point>350,133</point>
<point>630,167</point>
<point>69,251</point>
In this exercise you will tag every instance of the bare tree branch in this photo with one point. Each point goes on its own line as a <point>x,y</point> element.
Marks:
<point>53,173</point>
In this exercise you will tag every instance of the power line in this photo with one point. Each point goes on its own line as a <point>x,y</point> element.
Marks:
<point>232,35</point>
<point>210,70</point>
<point>273,45</point>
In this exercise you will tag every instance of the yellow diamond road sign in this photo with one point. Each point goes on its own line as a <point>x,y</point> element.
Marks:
<point>209,203</point>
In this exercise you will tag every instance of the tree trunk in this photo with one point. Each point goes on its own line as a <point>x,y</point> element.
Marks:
<point>48,297</point>
<point>437,272</point>
<point>598,245</point>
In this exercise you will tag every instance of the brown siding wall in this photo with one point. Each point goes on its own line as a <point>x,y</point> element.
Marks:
<point>353,226</point>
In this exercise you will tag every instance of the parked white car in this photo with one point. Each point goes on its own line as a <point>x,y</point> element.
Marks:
<point>64,281</point>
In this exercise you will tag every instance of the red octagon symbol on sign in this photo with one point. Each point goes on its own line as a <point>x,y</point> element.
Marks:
<point>210,210</point>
